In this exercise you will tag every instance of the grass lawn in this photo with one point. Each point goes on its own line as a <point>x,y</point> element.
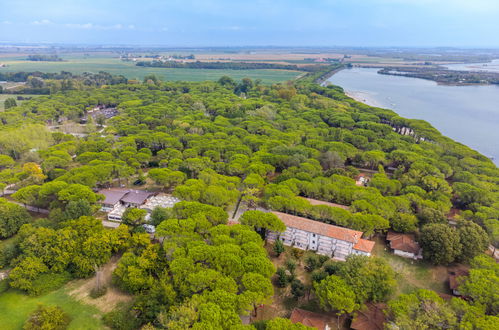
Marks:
<point>115,66</point>
<point>15,308</point>
<point>412,274</point>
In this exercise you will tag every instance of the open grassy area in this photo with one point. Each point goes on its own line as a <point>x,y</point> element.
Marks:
<point>15,308</point>
<point>115,66</point>
<point>412,274</point>
<point>3,97</point>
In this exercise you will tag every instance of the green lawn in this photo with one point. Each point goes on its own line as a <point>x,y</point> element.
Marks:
<point>412,274</point>
<point>80,64</point>
<point>15,308</point>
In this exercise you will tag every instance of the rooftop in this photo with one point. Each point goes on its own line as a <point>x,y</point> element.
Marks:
<point>403,242</point>
<point>364,245</point>
<point>136,196</point>
<point>340,233</point>
<point>113,196</point>
<point>310,319</point>
<point>371,318</point>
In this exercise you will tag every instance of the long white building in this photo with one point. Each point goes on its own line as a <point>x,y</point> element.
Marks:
<point>332,241</point>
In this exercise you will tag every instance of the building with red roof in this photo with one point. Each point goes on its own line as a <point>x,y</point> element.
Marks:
<point>332,241</point>
<point>404,245</point>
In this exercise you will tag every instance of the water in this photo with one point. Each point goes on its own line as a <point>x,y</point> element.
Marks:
<point>467,114</point>
<point>492,66</point>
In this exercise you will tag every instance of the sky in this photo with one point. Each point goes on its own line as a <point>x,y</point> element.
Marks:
<point>191,23</point>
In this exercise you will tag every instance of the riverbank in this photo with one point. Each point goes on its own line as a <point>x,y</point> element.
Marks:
<point>467,114</point>
<point>364,97</point>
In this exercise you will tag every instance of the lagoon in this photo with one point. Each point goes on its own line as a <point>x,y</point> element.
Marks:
<point>467,114</point>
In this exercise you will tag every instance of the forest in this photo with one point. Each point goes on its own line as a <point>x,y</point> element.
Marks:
<point>220,145</point>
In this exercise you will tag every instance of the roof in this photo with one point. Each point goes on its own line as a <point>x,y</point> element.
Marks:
<point>318,202</point>
<point>113,196</point>
<point>310,319</point>
<point>136,196</point>
<point>364,245</point>
<point>403,242</point>
<point>372,318</point>
<point>340,233</point>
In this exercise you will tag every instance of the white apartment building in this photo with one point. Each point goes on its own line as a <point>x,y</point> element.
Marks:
<point>332,241</point>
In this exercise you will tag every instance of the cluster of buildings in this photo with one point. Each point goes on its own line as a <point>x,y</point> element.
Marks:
<point>332,241</point>
<point>117,200</point>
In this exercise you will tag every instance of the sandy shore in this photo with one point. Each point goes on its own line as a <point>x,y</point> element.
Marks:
<point>364,97</point>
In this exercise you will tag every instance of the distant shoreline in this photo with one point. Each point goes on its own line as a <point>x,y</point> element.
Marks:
<point>364,97</point>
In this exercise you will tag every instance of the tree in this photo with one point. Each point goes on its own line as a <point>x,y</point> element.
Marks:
<point>482,284</point>
<point>9,103</point>
<point>25,272</point>
<point>12,217</point>
<point>285,324</point>
<point>278,247</point>
<point>47,317</point>
<point>371,278</point>
<point>160,214</point>
<point>134,216</point>
<point>335,294</point>
<point>77,209</point>
<point>441,243</point>
<point>262,222</point>
<point>473,238</point>
<point>422,309</point>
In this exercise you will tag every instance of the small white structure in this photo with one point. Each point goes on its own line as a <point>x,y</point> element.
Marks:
<point>116,213</point>
<point>332,241</point>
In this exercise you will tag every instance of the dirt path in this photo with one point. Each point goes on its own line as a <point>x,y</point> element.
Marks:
<point>80,289</point>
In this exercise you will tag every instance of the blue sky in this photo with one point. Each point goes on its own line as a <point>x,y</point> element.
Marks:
<point>458,23</point>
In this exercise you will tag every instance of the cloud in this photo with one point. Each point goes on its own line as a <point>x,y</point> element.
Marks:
<point>42,22</point>
<point>92,26</point>
<point>6,22</point>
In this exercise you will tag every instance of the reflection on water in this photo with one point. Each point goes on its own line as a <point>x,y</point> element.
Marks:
<point>468,114</point>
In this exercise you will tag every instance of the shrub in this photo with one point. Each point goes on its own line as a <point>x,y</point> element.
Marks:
<point>98,292</point>
<point>48,282</point>
<point>47,317</point>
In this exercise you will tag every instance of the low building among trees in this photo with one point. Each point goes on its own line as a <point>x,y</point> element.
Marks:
<point>404,245</point>
<point>332,241</point>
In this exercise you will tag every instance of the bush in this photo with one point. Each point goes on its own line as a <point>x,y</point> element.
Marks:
<point>48,282</point>
<point>318,275</point>
<point>8,251</point>
<point>278,247</point>
<point>121,319</point>
<point>281,277</point>
<point>47,317</point>
<point>297,288</point>
<point>312,262</point>
<point>291,265</point>
<point>4,285</point>
<point>98,292</point>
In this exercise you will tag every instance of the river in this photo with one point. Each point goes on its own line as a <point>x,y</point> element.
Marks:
<point>467,114</point>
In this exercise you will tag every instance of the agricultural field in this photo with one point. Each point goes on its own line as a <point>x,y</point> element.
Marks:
<point>80,64</point>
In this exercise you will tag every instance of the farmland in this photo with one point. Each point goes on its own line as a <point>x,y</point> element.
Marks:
<point>80,64</point>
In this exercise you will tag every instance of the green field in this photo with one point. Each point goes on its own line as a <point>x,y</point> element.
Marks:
<point>3,97</point>
<point>80,64</point>
<point>15,308</point>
